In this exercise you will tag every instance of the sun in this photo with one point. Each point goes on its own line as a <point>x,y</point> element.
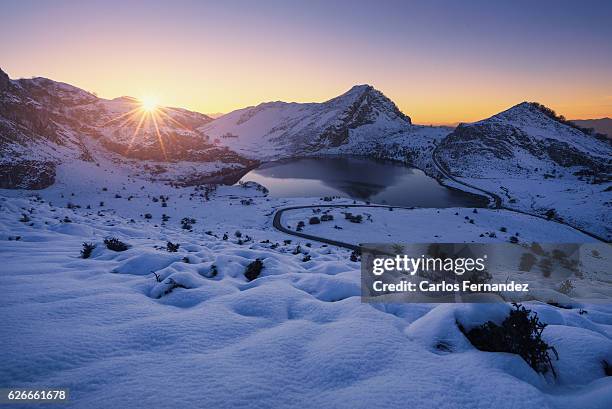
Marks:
<point>148,104</point>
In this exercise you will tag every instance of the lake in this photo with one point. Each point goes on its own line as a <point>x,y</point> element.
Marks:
<point>364,179</point>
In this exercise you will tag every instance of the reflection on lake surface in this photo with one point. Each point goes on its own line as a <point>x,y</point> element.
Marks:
<point>376,181</point>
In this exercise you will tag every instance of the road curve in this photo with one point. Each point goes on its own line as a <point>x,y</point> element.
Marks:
<point>276,222</point>
<point>497,202</point>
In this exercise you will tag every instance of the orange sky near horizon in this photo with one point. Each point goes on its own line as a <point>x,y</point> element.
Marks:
<point>466,103</point>
<point>207,57</point>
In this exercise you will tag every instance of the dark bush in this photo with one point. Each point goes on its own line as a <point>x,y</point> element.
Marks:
<point>214,271</point>
<point>327,218</point>
<point>87,249</point>
<point>546,266</point>
<point>314,220</point>
<point>115,244</point>
<point>527,262</point>
<point>537,249</point>
<point>148,216</point>
<point>353,218</point>
<point>253,270</point>
<point>607,368</point>
<point>520,333</point>
<point>187,223</point>
<point>172,247</point>
<point>172,285</point>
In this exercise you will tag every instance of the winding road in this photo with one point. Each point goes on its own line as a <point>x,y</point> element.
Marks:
<point>495,202</point>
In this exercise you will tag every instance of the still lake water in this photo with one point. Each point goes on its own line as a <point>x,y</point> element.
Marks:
<point>376,181</point>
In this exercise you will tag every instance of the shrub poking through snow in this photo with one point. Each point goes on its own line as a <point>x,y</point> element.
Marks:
<point>214,271</point>
<point>520,333</point>
<point>566,287</point>
<point>353,218</point>
<point>327,218</point>
<point>527,262</point>
<point>607,368</point>
<point>24,218</point>
<point>314,220</point>
<point>172,285</point>
<point>115,244</point>
<point>172,247</point>
<point>187,223</point>
<point>87,249</point>
<point>253,270</point>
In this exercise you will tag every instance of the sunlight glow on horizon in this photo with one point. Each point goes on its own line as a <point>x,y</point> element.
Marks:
<point>451,63</point>
<point>149,103</point>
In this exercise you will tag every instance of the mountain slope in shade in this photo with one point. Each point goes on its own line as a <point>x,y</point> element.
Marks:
<point>536,163</point>
<point>276,129</point>
<point>602,125</point>
<point>44,123</point>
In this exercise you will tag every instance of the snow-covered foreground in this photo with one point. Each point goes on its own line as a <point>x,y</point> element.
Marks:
<point>194,335</point>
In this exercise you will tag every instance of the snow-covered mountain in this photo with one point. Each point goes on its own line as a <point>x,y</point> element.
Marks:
<point>44,123</point>
<point>536,162</point>
<point>274,129</point>
<point>523,140</point>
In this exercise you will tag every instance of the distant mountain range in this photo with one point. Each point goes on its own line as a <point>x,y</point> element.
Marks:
<point>602,126</point>
<point>44,122</point>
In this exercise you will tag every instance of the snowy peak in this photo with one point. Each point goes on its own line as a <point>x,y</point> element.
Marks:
<point>369,101</point>
<point>277,129</point>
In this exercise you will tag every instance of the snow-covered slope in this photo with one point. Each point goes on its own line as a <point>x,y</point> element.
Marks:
<point>536,162</point>
<point>44,123</point>
<point>276,129</point>
<point>521,141</point>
